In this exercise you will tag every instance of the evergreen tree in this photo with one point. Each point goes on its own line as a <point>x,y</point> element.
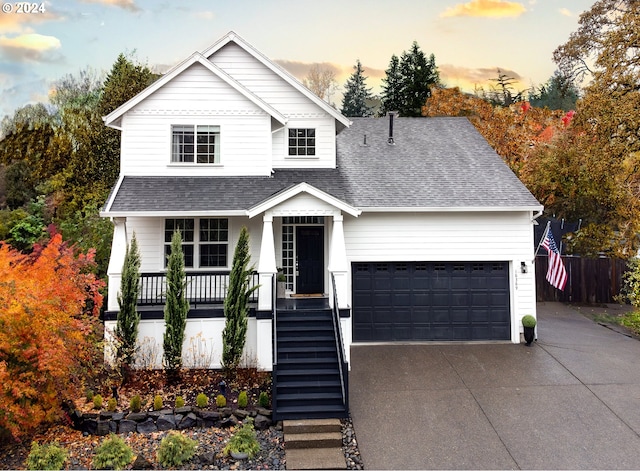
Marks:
<point>559,93</point>
<point>175,309</point>
<point>354,101</point>
<point>408,83</point>
<point>392,87</point>
<point>236,304</point>
<point>128,316</point>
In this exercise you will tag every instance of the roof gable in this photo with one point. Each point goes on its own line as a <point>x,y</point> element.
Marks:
<point>275,68</point>
<point>113,119</point>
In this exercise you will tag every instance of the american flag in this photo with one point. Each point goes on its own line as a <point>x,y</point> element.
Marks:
<point>556,273</point>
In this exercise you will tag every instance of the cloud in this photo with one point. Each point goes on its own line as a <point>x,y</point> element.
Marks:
<point>486,8</point>
<point>124,4</point>
<point>30,47</point>
<point>565,12</point>
<point>301,69</point>
<point>15,23</point>
<point>204,15</point>
<point>468,79</point>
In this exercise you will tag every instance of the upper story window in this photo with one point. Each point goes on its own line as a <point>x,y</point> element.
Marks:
<point>302,141</point>
<point>195,144</point>
<point>205,241</point>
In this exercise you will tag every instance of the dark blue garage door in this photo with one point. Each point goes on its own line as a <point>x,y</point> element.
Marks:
<point>417,301</point>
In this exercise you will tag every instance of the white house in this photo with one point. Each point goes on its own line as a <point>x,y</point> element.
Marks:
<point>424,230</point>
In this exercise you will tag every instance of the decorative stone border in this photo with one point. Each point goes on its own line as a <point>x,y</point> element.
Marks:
<point>104,423</point>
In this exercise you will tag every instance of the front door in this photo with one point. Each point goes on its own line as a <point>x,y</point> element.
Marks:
<point>310,259</point>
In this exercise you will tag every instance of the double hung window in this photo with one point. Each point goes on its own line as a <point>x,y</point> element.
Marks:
<point>195,144</point>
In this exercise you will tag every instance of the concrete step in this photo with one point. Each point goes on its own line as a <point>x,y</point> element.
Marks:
<point>312,440</point>
<point>315,458</point>
<point>311,426</point>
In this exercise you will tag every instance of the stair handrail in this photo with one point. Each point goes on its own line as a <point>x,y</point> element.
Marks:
<point>274,314</point>
<point>337,331</point>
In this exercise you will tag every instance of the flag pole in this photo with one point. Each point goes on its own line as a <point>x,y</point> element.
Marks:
<point>544,235</point>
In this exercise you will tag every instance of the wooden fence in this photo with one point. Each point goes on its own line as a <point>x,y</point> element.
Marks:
<point>590,280</point>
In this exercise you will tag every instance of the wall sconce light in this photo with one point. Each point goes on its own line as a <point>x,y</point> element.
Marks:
<point>523,267</point>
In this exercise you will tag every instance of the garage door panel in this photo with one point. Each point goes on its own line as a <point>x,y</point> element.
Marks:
<point>431,301</point>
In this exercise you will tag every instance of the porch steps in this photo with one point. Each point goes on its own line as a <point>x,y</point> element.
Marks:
<point>313,444</point>
<point>307,375</point>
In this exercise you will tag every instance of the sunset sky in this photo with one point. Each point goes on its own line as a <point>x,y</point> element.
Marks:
<point>470,40</point>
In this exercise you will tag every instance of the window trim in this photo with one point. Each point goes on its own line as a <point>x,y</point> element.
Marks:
<point>197,243</point>
<point>217,145</point>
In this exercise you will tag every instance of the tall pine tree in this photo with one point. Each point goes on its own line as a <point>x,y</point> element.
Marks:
<point>408,83</point>
<point>236,304</point>
<point>392,87</point>
<point>175,309</point>
<point>128,316</point>
<point>354,101</point>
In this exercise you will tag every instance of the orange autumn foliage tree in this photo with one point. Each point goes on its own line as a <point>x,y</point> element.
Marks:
<point>49,307</point>
<point>513,131</point>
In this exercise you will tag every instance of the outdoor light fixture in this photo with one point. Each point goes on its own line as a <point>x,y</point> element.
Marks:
<point>523,267</point>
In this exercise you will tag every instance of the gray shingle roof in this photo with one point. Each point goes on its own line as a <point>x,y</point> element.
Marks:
<point>435,163</point>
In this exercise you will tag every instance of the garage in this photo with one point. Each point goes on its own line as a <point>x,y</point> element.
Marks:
<point>421,301</point>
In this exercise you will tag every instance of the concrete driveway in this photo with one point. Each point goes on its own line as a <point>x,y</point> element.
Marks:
<point>571,401</point>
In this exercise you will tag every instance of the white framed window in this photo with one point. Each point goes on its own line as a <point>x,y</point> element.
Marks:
<point>302,142</point>
<point>195,144</point>
<point>204,247</point>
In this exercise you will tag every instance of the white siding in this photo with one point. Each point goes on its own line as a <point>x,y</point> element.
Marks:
<point>450,237</point>
<point>303,113</point>
<point>196,96</point>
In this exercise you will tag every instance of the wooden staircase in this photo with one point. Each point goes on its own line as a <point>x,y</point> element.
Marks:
<point>309,377</point>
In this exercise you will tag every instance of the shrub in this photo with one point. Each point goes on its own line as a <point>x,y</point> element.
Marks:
<point>244,441</point>
<point>175,449</point>
<point>221,401</point>
<point>529,321</point>
<point>48,337</point>
<point>136,403</point>
<point>50,456</point>
<point>179,402</point>
<point>202,400</point>
<point>112,404</point>
<point>97,401</point>
<point>113,453</point>
<point>243,400</point>
<point>157,402</point>
<point>89,395</point>
<point>263,399</point>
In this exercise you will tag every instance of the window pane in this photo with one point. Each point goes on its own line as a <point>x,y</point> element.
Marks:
<point>187,251</point>
<point>302,141</point>
<point>213,255</point>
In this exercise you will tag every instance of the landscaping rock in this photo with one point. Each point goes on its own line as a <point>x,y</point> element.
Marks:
<point>137,416</point>
<point>209,418</point>
<point>90,426</point>
<point>183,410</point>
<point>188,421</point>
<point>241,414</point>
<point>142,463</point>
<point>206,459</point>
<point>225,411</point>
<point>230,421</point>
<point>126,426</point>
<point>265,412</point>
<point>102,427</point>
<point>261,422</point>
<point>148,426</point>
<point>113,426</point>
<point>106,415</point>
<point>166,422</point>
<point>118,416</point>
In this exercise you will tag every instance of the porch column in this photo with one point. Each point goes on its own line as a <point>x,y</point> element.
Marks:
<point>338,264</point>
<point>116,261</point>
<point>267,265</point>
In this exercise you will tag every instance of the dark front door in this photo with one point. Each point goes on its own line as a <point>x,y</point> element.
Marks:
<point>310,257</point>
